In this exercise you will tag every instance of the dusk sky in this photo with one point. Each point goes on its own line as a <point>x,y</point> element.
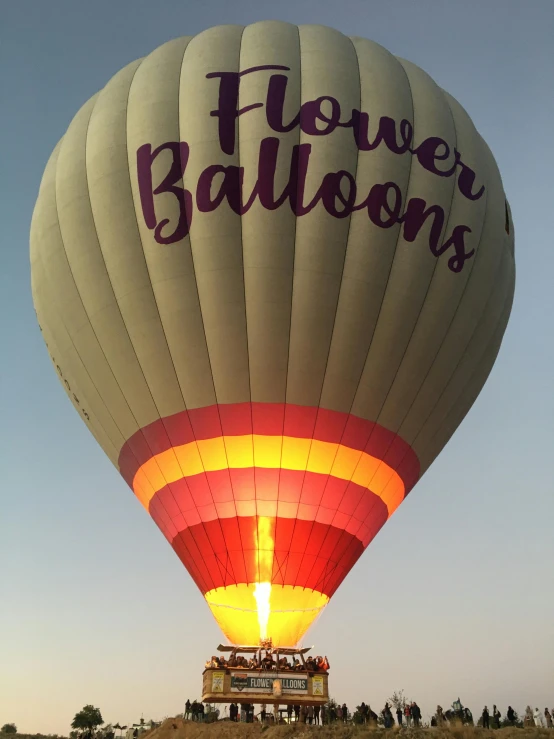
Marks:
<point>455,596</point>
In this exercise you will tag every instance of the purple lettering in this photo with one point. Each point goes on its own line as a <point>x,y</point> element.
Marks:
<point>204,200</point>
<point>231,188</point>
<point>407,135</point>
<point>227,110</point>
<point>338,190</point>
<point>360,128</point>
<point>386,132</point>
<point>267,164</point>
<point>466,178</point>
<point>297,182</point>
<point>145,159</point>
<point>275,103</point>
<point>457,260</point>
<point>428,152</point>
<point>331,191</point>
<point>311,112</point>
<point>414,218</point>
<point>378,201</point>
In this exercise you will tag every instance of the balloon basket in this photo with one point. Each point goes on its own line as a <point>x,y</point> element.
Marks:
<point>265,675</point>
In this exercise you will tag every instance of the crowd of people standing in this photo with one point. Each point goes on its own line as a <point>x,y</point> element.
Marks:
<point>194,710</point>
<point>267,663</point>
<point>312,715</point>
<point>542,719</point>
<point>493,719</point>
<point>407,714</point>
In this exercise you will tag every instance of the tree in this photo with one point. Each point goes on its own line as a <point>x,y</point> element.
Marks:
<point>398,700</point>
<point>9,729</point>
<point>88,718</point>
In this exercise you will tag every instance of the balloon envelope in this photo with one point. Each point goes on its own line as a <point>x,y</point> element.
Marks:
<point>273,267</point>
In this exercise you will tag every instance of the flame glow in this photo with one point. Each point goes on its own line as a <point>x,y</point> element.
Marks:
<point>264,548</point>
<point>262,594</point>
<point>292,611</point>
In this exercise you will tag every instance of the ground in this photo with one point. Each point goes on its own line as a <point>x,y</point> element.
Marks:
<point>180,729</point>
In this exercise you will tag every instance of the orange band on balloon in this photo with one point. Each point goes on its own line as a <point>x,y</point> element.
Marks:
<point>258,451</point>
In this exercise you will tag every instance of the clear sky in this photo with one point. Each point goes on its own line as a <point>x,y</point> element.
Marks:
<point>456,595</point>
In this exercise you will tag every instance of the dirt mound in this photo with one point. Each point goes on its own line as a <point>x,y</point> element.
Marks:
<point>178,728</point>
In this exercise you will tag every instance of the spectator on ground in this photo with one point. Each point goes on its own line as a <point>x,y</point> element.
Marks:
<point>539,718</point>
<point>316,715</point>
<point>399,715</point>
<point>388,720</point>
<point>485,718</point>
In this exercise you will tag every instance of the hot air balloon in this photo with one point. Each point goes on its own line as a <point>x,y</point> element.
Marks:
<point>273,266</point>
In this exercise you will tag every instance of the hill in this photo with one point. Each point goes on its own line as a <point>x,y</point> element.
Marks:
<point>180,729</point>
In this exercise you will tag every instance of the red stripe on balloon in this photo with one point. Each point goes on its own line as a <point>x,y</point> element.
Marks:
<point>273,419</point>
<point>291,494</point>
<point>307,554</point>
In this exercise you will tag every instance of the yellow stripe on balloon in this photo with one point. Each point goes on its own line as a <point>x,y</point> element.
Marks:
<point>292,611</point>
<point>286,452</point>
